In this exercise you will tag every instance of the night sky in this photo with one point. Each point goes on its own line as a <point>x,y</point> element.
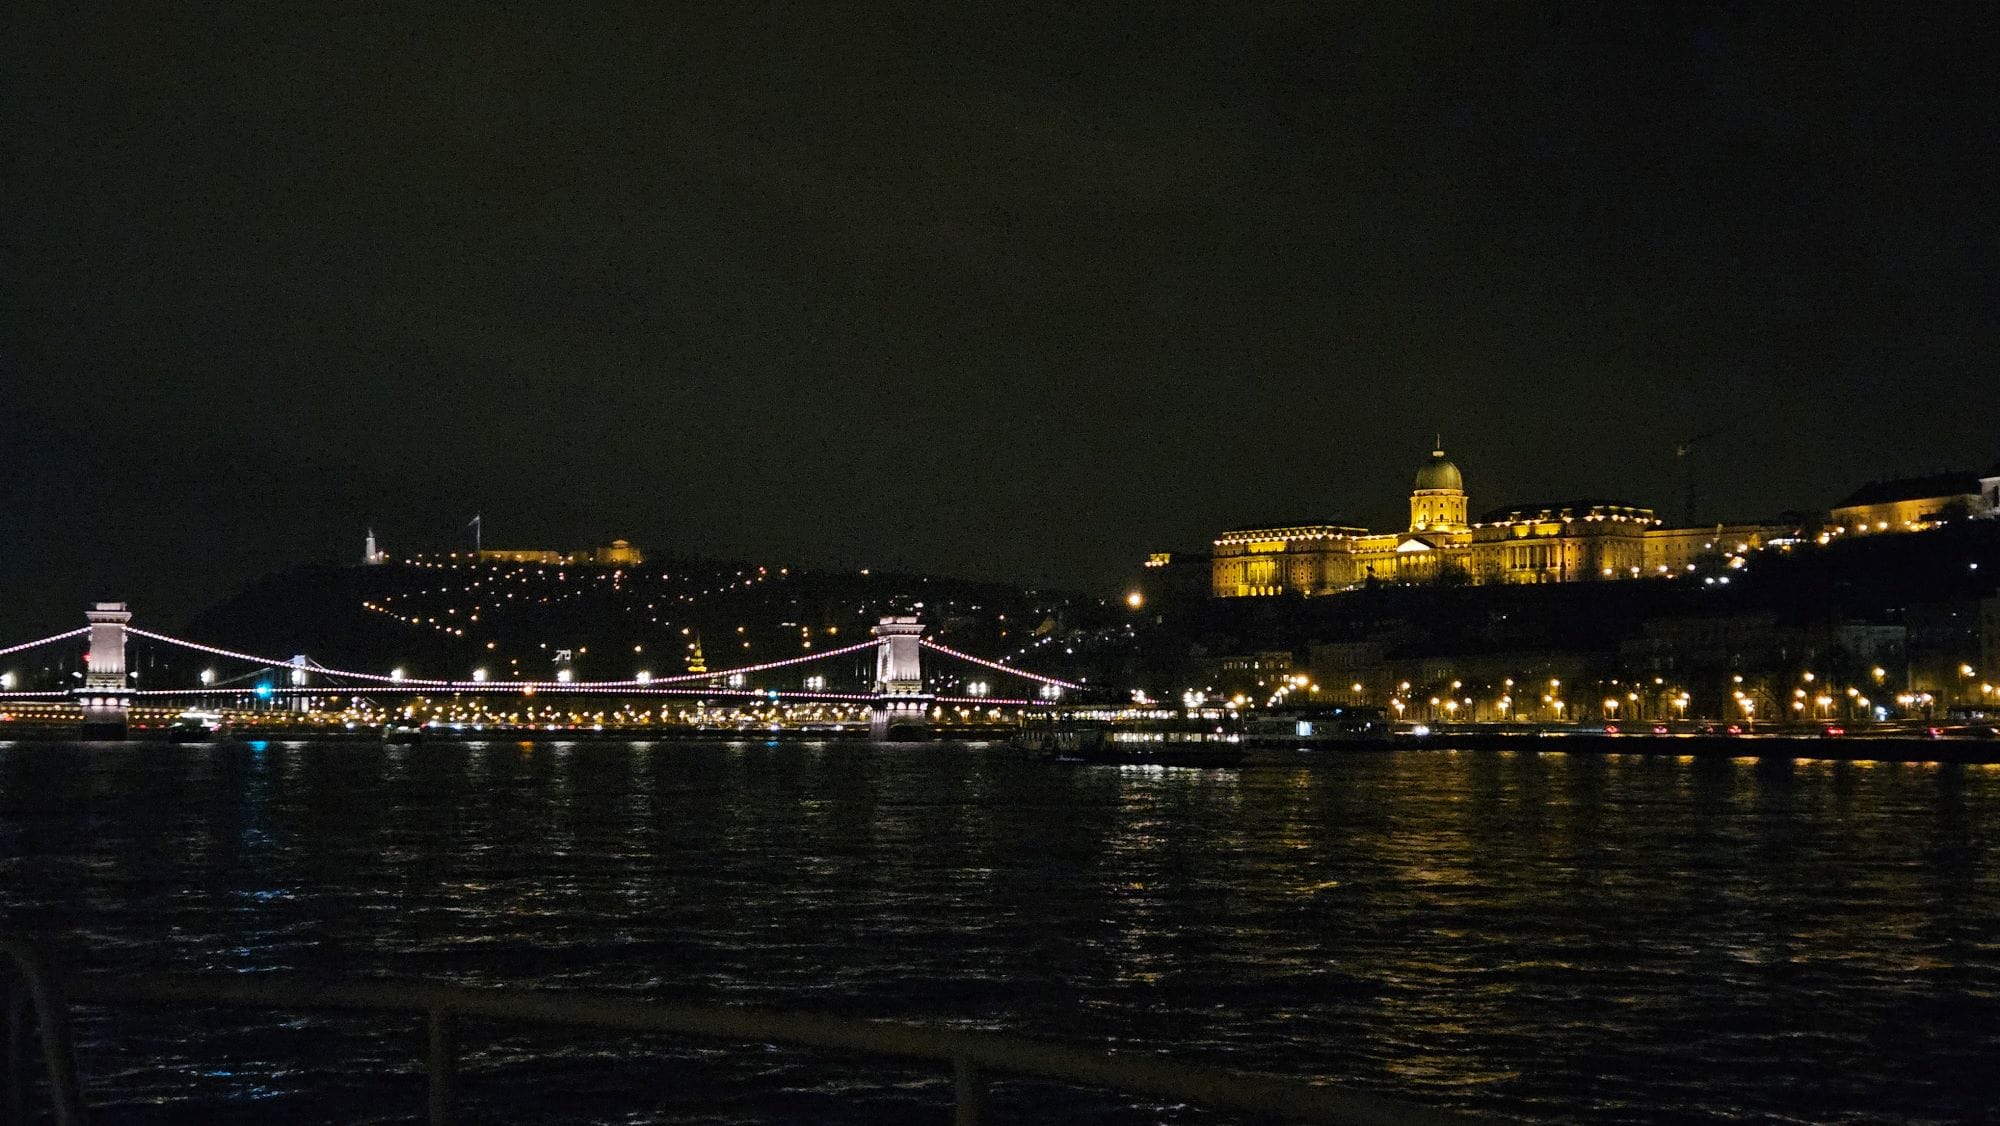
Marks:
<point>990,290</point>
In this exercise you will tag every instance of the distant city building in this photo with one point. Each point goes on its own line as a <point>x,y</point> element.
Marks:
<point>370,554</point>
<point>1253,675</point>
<point>1915,504</point>
<point>1570,541</point>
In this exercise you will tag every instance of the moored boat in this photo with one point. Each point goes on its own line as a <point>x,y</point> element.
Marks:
<point>1329,726</point>
<point>193,726</point>
<point>1134,736</point>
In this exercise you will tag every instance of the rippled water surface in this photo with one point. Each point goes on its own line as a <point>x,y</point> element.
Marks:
<point>1556,937</point>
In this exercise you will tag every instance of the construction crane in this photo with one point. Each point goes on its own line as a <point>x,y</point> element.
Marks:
<point>1684,451</point>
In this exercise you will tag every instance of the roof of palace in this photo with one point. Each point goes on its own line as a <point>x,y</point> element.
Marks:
<point>1439,473</point>
<point>1912,488</point>
<point>1557,509</point>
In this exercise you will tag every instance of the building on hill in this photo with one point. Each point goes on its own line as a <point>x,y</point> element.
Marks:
<point>507,555</point>
<point>1674,551</point>
<point>618,553</point>
<point>1557,542</point>
<point>1916,504</point>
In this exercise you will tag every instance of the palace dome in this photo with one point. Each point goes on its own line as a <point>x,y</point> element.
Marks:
<point>1439,473</point>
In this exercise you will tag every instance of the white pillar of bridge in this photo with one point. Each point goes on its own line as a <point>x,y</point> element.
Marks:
<point>297,676</point>
<point>105,696</point>
<point>901,709</point>
<point>899,666</point>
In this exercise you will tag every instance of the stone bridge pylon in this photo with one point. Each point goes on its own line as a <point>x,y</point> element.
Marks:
<point>106,697</point>
<point>902,708</point>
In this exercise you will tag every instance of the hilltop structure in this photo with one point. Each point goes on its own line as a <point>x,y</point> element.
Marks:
<point>1916,504</point>
<point>617,553</point>
<point>1557,542</point>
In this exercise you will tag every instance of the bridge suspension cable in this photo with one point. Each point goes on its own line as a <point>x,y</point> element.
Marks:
<point>78,632</point>
<point>767,666</point>
<point>996,666</point>
<point>271,662</point>
<point>553,691</point>
<point>489,686</point>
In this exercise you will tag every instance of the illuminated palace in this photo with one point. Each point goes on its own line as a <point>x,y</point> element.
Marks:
<point>1533,543</point>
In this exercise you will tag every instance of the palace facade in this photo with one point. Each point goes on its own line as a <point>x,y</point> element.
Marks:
<point>1575,541</point>
<point>1918,504</point>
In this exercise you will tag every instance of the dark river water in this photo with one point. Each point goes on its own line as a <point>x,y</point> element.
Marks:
<point>1544,937</point>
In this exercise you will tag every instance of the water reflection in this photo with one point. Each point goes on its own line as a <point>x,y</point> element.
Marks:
<point>1534,934</point>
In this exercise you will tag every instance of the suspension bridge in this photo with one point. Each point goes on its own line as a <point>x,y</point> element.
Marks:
<point>108,691</point>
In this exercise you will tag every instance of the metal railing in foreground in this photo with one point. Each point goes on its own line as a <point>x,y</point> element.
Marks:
<point>971,1056</point>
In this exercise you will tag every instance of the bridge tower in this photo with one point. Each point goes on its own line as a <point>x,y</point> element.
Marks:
<point>105,696</point>
<point>902,708</point>
<point>298,665</point>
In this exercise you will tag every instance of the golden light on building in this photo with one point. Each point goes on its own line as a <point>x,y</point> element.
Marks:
<point>1533,543</point>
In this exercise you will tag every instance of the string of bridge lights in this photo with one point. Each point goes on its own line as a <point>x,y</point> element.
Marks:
<point>558,689</point>
<point>995,665</point>
<point>636,683</point>
<point>77,632</point>
<point>659,686</point>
